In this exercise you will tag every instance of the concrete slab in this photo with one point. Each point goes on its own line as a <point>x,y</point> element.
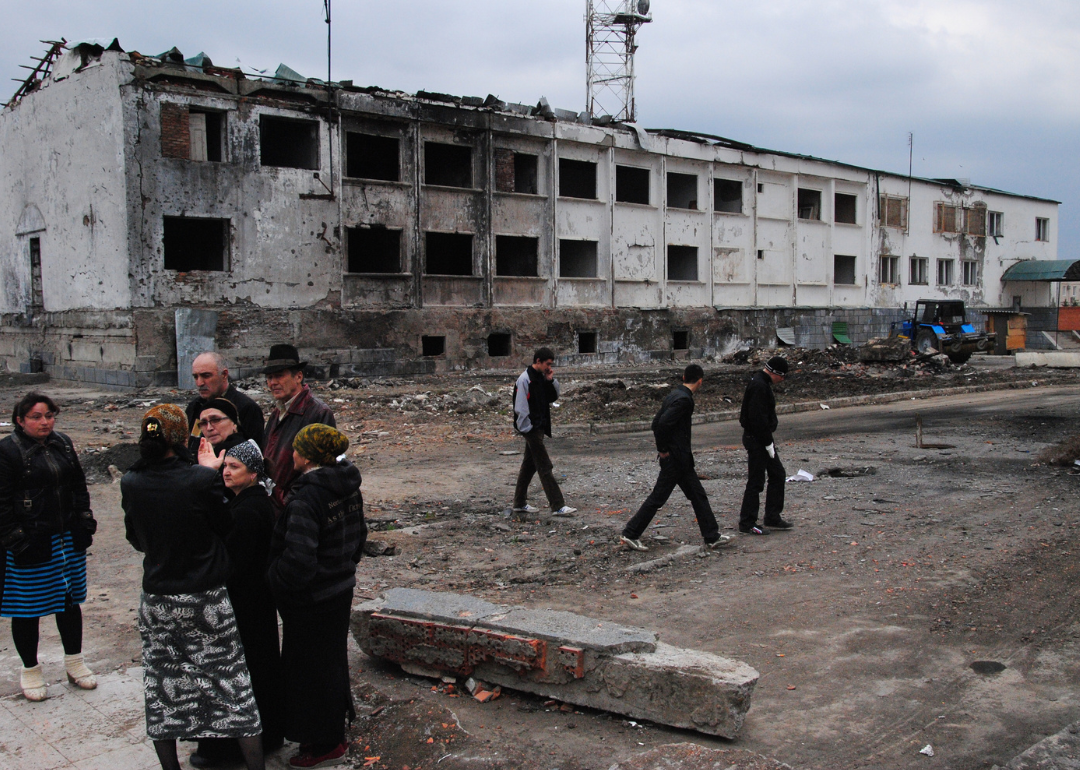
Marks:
<point>1060,751</point>
<point>1055,359</point>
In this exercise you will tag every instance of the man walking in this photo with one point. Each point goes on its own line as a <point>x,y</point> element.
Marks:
<point>758,420</point>
<point>671,429</point>
<point>211,375</point>
<point>534,392</point>
<point>296,408</point>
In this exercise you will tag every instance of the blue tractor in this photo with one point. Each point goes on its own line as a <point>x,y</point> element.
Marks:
<point>940,326</point>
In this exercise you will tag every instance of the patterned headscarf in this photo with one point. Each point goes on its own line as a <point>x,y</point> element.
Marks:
<point>320,444</point>
<point>166,421</point>
<point>251,456</point>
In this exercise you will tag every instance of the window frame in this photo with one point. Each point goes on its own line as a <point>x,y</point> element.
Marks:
<point>1042,229</point>
<point>924,264</point>
<point>889,270</point>
<point>950,273</point>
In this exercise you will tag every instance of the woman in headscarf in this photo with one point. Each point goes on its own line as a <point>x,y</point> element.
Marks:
<point>45,528</point>
<point>248,544</point>
<point>195,679</point>
<point>317,543</point>
<point>219,423</point>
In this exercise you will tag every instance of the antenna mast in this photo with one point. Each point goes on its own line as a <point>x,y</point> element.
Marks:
<point>610,29</point>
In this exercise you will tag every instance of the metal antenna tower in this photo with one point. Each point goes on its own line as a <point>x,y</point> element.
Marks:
<point>610,29</point>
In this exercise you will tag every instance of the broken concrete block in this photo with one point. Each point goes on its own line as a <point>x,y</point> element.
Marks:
<point>559,655</point>
<point>886,349</point>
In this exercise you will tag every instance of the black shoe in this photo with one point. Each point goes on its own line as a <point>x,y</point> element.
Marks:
<point>754,530</point>
<point>198,760</point>
<point>778,523</point>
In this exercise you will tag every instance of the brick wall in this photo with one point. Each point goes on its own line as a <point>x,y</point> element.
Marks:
<point>175,131</point>
<point>504,170</point>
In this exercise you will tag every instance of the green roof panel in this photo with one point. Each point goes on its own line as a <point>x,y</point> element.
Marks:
<point>1044,270</point>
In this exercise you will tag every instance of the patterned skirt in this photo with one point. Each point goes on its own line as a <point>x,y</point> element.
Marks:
<point>195,680</point>
<point>36,590</point>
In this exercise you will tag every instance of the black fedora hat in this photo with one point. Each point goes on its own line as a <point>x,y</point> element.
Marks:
<point>283,357</point>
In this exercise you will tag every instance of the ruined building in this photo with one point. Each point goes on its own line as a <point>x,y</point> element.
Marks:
<point>383,232</point>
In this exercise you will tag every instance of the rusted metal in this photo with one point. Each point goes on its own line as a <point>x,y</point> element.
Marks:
<point>40,71</point>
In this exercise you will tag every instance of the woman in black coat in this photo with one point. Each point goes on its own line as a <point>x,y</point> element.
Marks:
<point>45,528</point>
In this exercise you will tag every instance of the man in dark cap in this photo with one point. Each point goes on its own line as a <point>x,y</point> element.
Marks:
<point>758,420</point>
<point>211,375</point>
<point>296,408</point>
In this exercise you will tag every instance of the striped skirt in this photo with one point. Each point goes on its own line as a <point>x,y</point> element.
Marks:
<point>36,590</point>
<point>195,678</point>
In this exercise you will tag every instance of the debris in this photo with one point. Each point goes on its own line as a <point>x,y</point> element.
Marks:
<point>928,750</point>
<point>886,349</point>
<point>801,476</point>
<point>824,406</point>
<point>919,441</point>
<point>849,473</point>
<point>115,473</point>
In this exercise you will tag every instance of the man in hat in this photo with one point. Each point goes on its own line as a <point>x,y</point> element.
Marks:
<point>758,420</point>
<point>211,375</point>
<point>296,408</point>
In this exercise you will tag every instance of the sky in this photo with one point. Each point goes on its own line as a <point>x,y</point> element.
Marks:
<point>989,89</point>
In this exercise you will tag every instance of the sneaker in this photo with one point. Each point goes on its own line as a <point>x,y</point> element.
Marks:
<point>566,510</point>
<point>754,530</point>
<point>636,545</point>
<point>336,756</point>
<point>527,509</point>
<point>778,523</point>
<point>720,543</point>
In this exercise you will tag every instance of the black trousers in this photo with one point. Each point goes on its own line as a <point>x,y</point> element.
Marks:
<point>537,462</point>
<point>674,473</point>
<point>759,465</point>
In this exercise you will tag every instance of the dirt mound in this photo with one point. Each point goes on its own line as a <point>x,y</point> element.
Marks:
<point>96,463</point>
<point>1066,453</point>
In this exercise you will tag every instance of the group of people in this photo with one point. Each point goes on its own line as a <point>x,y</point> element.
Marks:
<point>239,522</point>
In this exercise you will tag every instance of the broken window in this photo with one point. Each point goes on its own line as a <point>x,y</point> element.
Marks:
<point>971,272</point>
<point>516,255</point>
<point>919,271</point>
<point>192,243</point>
<point>680,339</point>
<point>448,165</point>
<point>888,269</point>
<point>433,345</point>
<point>374,250</point>
<point>995,224</point>
<point>844,269</point>
<point>809,204</point>
<point>449,254</point>
<point>577,259</point>
<point>631,184</point>
<point>516,172</point>
<point>37,295</point>
<point>192,134</point>
<point>682,191</point>
<point>947,218</point>
<point>1042,229</point>
<point>498,344</point>
<point>944,272</point>
<point>844,208</point>
<point>682,263</point>
<point>206,139</point>
<point>727,196</point>
<point>975,220</point>
<point>577,179</point>
<point>288,143</point>
<point>368,156</point>
<point>586,342</point>
<point>893,211</point>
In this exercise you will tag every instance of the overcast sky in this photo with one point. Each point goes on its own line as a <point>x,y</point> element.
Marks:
<point>989,88</point>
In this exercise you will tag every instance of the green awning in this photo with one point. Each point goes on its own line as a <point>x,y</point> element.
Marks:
<point>1044,270</point>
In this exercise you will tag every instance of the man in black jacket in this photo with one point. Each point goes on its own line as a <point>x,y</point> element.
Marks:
<point>758,420</point>
<point>211,375</point>
<point>671,428</point>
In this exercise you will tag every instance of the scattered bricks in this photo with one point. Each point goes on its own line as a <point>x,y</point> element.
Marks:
<point>575,659</point>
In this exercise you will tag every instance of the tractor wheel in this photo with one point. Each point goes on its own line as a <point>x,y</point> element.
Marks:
<point>959,358</point>
<point>926,342</point>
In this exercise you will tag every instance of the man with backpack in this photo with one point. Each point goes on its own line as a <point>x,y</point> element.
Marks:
<point>534,393</point>
<point>671,428</point>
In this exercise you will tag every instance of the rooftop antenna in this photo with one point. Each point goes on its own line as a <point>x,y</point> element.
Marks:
<point>610,29</point>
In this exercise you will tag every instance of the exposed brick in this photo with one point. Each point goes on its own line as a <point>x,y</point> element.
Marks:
<point>175,131</point>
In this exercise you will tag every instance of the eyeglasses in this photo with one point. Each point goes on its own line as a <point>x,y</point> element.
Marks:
<point>211,421</point>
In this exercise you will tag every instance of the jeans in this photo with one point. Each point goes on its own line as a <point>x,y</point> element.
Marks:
<point>682,474</point>
<point>759,465</point>
<point>536,461</point>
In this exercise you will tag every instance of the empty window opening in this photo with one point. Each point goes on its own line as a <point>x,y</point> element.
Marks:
<point>374,250</point>
<point>945,272</point>
<point>498,344</point>
<point>809,204</point>
<point>844,269</point>
<point>449,254</point>
<point>727,196</point>
<point>577,179</point>
<point>760,187</point>
<point>586,342</point>
<point>195,244</point>
<point>892,211</point>
<point>577,259</point>
<point>288,143</point>
<point>206,138</point>
<point>447,165</point>
<point>680,340</point>
<point>631,184</point>
<point>761,253</point>
<point>889,270</point>
<point>844,207</point>
<point>516,172</point>
<point>432,346</point>
<point>682,191</point>
<point>517,255</point>
<point>995,224</point>
<point>920,271</point>
<point>971,272</point>
<point>37,295</point>
<point>682,263</point>
<point>1042,229</point>
<point>368,156</point>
